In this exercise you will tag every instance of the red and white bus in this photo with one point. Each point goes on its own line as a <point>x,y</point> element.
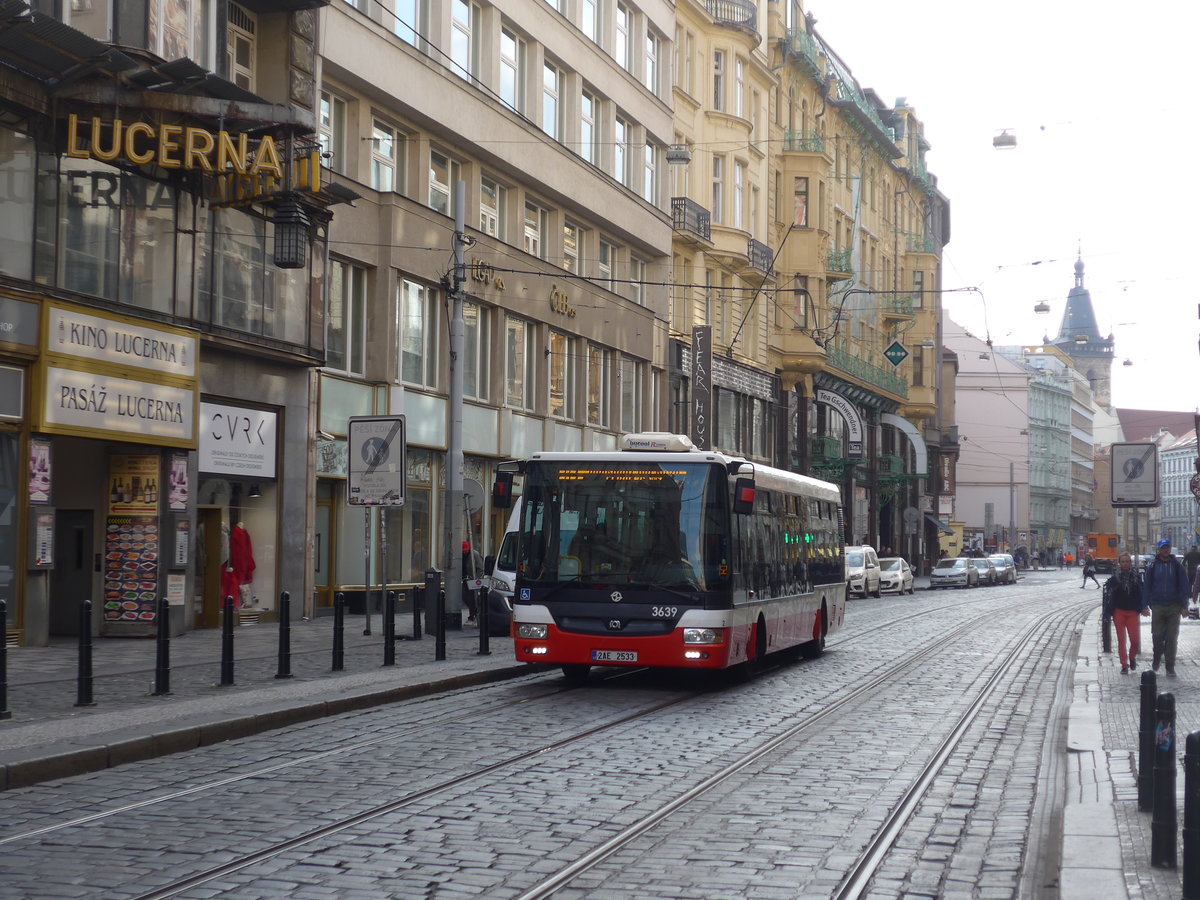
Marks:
<point>662,555</point>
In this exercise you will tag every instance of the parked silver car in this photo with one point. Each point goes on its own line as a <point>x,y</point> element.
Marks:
<point>895,575</point>
<point>986,569</point>
<point>1006,568</point>
<point>954,571</point>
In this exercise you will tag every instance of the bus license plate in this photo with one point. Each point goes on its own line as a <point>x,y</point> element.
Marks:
<point>614,656</point>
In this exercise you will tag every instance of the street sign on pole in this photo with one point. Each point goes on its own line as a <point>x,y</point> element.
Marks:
<point>896,353</point>
<point>377,467</point>
<point>1135,474</point>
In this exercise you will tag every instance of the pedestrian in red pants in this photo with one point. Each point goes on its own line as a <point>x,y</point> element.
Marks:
<point>1123,601</point>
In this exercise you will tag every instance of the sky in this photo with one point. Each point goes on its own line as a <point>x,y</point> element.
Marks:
<point>1101,98</point>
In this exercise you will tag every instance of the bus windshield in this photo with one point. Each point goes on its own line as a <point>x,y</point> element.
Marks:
<point>630,523</point>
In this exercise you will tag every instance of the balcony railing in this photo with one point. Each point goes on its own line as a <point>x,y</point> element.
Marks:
<point>742,13</point>
<point>826,446</point>
<point>895,305</point>
<point>838,261</point>
<point>803,46</point>
<point>688,215</point>
<point>919,243</point>
<point>890,465</point>
<point>864,371</point>
<point>801,142</point>
<point>760,256</point>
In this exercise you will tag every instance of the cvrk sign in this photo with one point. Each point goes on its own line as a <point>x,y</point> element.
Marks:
<point>237,441</point>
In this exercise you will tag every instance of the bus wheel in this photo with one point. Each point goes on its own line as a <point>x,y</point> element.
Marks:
<point>814,648</point>
<point>576,674</point>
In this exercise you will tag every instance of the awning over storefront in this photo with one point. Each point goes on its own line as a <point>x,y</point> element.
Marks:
<point>921,459</point>
<point>942,526</point>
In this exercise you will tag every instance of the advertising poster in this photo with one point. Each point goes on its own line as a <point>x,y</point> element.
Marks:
<point>133,484</point>
<point>130,568</point>
<point>44,539</point>
<point>39,471</point>
<point>177,496</point>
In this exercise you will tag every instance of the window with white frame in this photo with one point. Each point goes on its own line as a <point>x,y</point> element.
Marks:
<point>408,22</point>
<point>572,241</point>
<point>550,110</point>
<point>599,385</point>
<point>739,193</point>
<point>512,70</point>
<point>739,87</point>
<point>621,40</point>
<point>918,287</point>
<point>477,350</point>
<point>650,76</point>
<point>587,127</point>
<point>637,280</point>
<point>621,132</point>
<point>800,205</point>
<point>718,79</point>
<point>589,20</point>
<point>519,362</point>
<point>537,226</point>
<point>331,131</point>
<point>417,325</point>
<point>443,181</point>
<point>718,190</point>
<point>345,334</point>
<point>241,46</point>
<point>604,264</point>
<point>493,207</point>
<point>630,375</point>
<point>562,375</point>
<point>384,156</point>
<point>464,51</point>
<point>689,53</point>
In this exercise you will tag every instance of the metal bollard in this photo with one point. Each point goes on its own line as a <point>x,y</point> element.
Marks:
<point>339,639</point>
<point>1145,776</point>
<point>481,604</point>
<point>1191,817</point>
<point>83,692</point>
<point>1164,821</point>
<point>5,713</point>
<point>418,598</point>
<point>227,642</point>
<point>162,659</point>
<point>284,667</point>
<point>1106,632</point>
<point>439,646</point>
<point>389,629</point>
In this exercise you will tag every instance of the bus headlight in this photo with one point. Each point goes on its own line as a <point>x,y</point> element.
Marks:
<point>703,636</point>
<point>534,632</point>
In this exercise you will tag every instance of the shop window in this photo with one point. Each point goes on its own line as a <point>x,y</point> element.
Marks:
<point>477,344</point>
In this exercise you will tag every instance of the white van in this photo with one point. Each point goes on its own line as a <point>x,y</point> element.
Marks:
<point>501,572</point>
<point>862,571</point>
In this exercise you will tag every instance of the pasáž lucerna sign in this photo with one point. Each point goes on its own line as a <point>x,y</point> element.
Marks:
<point>136,410</point>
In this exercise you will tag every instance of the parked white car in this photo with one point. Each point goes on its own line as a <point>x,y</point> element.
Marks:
<point>1006,568</point>
<point>895,575</point>
<point>954,571</point>
<point>862,571</point>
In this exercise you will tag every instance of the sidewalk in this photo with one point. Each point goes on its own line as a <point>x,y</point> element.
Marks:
<point>48,737</point>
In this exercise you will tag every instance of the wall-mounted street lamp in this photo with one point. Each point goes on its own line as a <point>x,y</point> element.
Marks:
<point>291,234</point>
<point>1041,307</point>
<point>1004,140</point>
<point>678,155</point>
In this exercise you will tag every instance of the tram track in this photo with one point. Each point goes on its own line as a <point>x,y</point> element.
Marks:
<point>483,774</point>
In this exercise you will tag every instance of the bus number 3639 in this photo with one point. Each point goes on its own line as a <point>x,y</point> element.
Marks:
<point>664,612</point>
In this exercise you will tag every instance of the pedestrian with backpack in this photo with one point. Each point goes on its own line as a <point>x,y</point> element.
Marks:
<point>1167,590</point>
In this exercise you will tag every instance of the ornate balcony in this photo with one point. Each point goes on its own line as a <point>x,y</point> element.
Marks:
<point>838,265</point>
<point>890,465</point>
<point>825,446</point>
<point>690,217</point>
<point>739,13</point>
<point>803,142</point>
<point>760,256</point>
<point>864,371</point>
<point>896,308</point>
<point>919,243</point>
<point>802,46</point>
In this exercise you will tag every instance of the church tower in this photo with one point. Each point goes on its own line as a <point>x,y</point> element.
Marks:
<point>1079,338</point>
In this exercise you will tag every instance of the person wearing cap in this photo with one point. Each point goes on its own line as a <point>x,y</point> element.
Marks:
<point>1165,587</point>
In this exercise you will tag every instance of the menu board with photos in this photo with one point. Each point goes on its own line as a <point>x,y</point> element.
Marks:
<point>130,568</point>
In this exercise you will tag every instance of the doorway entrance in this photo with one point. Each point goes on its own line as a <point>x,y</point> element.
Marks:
<point>72,578</point>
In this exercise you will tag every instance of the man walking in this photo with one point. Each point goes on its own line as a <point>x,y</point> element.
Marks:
<point>1166,588</point>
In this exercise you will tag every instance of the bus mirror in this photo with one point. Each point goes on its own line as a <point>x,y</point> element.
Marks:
<point>502,490</point>
<point>743,496</point>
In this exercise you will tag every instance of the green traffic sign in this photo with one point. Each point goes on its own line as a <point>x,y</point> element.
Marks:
<point>896,353</point>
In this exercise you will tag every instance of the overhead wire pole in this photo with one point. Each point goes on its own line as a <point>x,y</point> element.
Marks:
<point>454,440</point>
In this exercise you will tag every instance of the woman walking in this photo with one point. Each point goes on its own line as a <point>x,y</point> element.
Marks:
<point>1089,570</point>
<point>1123,601</point>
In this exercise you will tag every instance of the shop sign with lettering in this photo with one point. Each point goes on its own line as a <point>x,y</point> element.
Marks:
<point>561,303</point>
<point>19,321</point>
<point>95,338</point>
<point>237,441</point>
<point>100,405</point>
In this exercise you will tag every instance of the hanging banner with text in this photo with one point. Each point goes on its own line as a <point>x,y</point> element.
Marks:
<point>702,363</point>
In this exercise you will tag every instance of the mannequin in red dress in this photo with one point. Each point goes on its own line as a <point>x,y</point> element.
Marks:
<point>241,563</point>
